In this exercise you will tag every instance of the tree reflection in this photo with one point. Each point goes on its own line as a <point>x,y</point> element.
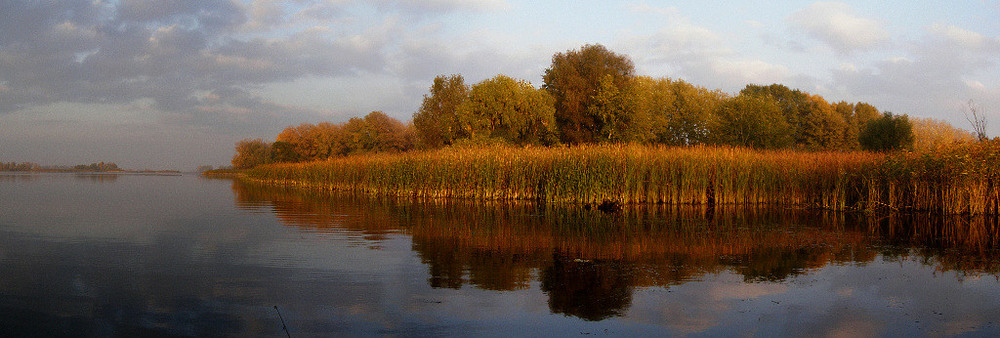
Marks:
<point>588,263</point>
<point>592,290</point>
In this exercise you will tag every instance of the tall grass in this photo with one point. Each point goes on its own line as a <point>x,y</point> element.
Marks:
<point>959,180</point>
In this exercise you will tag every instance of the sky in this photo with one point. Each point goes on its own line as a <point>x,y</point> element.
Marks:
<point>174,84</point>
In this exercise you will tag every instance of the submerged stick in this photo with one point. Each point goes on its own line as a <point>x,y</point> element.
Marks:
<point>283,326</point>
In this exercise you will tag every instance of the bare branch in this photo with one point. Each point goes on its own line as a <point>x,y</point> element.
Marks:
<point>978,121</point>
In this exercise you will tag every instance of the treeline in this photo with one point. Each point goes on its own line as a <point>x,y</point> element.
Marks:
<point>376,132</point>
<point>592,96</point>
<point>29,166</point>
<point>23,166</point>
<point>101,166</point>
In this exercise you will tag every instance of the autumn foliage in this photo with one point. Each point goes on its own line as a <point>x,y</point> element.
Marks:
<point>637,139</point>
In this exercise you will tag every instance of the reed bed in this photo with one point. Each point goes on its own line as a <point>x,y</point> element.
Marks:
<point>960,179</point>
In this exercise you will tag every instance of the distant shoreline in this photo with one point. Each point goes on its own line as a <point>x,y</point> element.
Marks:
<point>75,171</point>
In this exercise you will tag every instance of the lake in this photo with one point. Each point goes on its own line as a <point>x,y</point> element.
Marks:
<point>181,255</point>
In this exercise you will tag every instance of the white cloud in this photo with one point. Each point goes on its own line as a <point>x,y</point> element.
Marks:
<point>836,24</point>
<point>749,71</point>
<point>682,49</point>
<point>441,5</point>
<point>934,77</point>
<point>644,8</point>
<point>964,38</point>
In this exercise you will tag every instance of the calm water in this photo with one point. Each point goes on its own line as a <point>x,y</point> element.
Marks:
<point>105,255</point>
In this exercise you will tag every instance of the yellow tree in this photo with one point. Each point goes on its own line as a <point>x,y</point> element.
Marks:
<point>930,134</point>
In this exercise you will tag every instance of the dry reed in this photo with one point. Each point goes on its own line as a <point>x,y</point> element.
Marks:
<point>959,179</point>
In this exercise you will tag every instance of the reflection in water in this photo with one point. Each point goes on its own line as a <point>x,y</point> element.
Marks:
<point>592,290</point>
<point>97,177</point>
<point>174,255</point>
<point>590,263</point>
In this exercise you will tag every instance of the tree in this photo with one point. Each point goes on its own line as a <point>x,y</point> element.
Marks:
<point>822,128</point>
<point>752,121</point>
<point>574,79</point>
<point>511,110</point>
<point>297,143</point>
<point>887,133</point>
<point>324,140</point>
<point>931,134</point>
<point>655,100</point>
<point>978,121</point>
<point>385,134</point>
<point>251,153</point>
<point>436,122</point>
<point>692,112</point>
<point>790,101</point>
<point>616,112</point>
<point>284,152</point>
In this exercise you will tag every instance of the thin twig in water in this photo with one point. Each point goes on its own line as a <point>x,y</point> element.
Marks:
<point>283,326</point>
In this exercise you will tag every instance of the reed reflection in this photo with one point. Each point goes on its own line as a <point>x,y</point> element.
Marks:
<point>96,177</point>
<point>589,263</point>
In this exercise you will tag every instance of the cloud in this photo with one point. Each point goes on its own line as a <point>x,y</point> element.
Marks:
<point>836,24</point>
<point>939,74</point>
<point>683,49</point>
<point>450,5</point>
<point>164,50</point>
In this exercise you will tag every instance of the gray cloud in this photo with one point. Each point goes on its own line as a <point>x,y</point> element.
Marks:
<point>169,51</point>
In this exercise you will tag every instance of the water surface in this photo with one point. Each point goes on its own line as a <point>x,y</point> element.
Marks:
<point>105,255</point>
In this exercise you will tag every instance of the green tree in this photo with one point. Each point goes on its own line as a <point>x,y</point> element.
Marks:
<point>251,153</point>
<point>751,121</point>
<point>790,101</point>
<point>574,79</point>
<point>511,110</point>
<point>437,122</point>
<point>655,100</point>
<point>615,109</point>
<point>693,110</point>
<point>851,128</point>
<point>887,133</point>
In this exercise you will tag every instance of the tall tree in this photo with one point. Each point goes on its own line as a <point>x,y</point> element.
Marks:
<point>574,79</point>
<point>437,121</point>
<point>509,109</point>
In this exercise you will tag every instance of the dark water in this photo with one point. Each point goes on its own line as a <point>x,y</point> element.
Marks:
<point>134,255</point>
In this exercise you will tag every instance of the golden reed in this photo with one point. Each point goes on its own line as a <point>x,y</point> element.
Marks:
<point>957,179</point>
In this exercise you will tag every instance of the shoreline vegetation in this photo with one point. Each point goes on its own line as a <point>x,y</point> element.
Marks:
<point>959,179</point>
<point>97,167</point>
<point>596,133</point>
